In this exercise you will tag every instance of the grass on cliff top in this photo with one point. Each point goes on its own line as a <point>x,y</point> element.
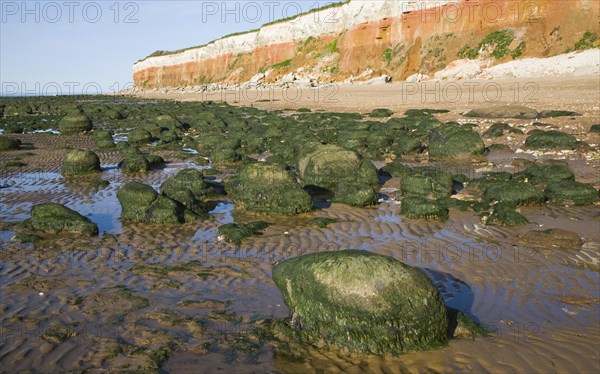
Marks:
<point>314,10</point>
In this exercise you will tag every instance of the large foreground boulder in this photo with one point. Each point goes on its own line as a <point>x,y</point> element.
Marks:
<point>362,302</point>
<point>80,161</point>
<point>55,218</point>
<point>269,188</point>
<point>352,179</point>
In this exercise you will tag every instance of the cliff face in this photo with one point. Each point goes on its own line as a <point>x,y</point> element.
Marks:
<point>394,37</point>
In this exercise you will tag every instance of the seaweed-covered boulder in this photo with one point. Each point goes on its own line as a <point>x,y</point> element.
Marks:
<point>510,111</point>
<point>421,207</point>
<point>167,121</point>
<point>103,139</point>
<point>514,193</point>
<point>571,193</point>
<point>135,163</point>
<point>362,302</point>
<point>427,181</point>
<point>354,180</point>
<point>224,156</point>
<point>139,136</point>
<point>498,129</point>
<point>551,139</point>
<point>238,232</point>
<point>189,188</point>
<point>141,203</point>
<point>558,113</point>
<point>549,172</point>
<point>454,141</point>
<point>165,210</point>
<point>269,188</point>
<point>135,199</point>
<point>505,215</point>
<point>381,113</point>
<point>55,218</point>
<point>9,144</point>
<point>75,124</point>
<point>80,161</point>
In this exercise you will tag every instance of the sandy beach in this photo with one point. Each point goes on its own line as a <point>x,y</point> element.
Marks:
<point>541,302</point>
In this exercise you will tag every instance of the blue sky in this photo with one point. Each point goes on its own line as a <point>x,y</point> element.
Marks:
<point>65,46</point>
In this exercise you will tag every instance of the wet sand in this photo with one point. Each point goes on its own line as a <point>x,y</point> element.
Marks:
<point>119,300</point>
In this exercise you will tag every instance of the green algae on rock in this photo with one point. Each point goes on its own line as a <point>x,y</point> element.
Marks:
<point>139,136</point>
<point>354,180</point>
<point>381,113</point>
<point>514,193</point>
<point>453,141</point>
<point>511,111</point>
<point>238,232</point>
<point>569,192</point>
<point>268,188</point>
<point>551,171</point>
<point>75,124</point>
<point>55,218</point>
<point>503,214</point>
<point>79,162</point>
<point>551,140</point>
<point>135,199</point>
<point>321,222</point>
<point>362,302</point>
<point>9,144</point>
<point>421,207</point>
<point>189,188</point>
<point>141,203</point>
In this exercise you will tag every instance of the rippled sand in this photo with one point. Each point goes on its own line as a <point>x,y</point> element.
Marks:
<point>120,298</point>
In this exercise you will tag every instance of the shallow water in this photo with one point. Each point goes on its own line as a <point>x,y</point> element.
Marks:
<point>542,305</point>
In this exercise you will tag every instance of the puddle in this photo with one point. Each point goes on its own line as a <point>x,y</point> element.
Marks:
<point>101,205</point>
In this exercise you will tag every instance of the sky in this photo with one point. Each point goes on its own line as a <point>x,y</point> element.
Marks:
<point>72,47</point>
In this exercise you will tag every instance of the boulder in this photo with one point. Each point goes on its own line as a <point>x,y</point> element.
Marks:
<point>189,188</point>
<point>552,238</point>
<point>454,141</point>
<point>9,144</point>
<point>238,232</point>
<point>550,172</point>
<point>513,194</point>
<point>139,136</point>
<point>551,139</point>
<point>55,218</point>
<point>269,188</point>
<point>511,111</point>
<point>505,215</point>
<point>421,207</point>
<point>354,180</point>
<point>362,302</point>
<point>381,113</point>
<point>135,199</point>
<point>427,182</point>
<point>75,124</point>
<point>141,203</point>
<point>135,163</point>
<point>568,192</point>
<point>80,161</point>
